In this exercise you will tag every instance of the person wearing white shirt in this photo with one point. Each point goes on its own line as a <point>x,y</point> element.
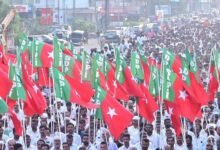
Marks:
<point>76,137</point>
<point>145,145</point>
<point>33,131</point>
<point>126,142</point>
<point>199,137</point>
<point>2,136</point>
<point>171,142</point>
<point>153,138</point>
<point>107,140</point>
<point>134,131</point>
<point>69,141</point>
<point>179,143</point>
<point>28,143</point>
<point>44,137</point>
<point>19,113</point>
<point>57,143</point>
<point>86,143</point>
<point>189,143</point>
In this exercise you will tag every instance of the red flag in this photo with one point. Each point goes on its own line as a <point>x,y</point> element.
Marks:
<point>5,83</point>
<point>84,89</point>
<point>147,106</point>
<point>110,84</point>
<point>35,100</point>
<point>201,96</point>
<point>130,84</point>
<point>115,115</point>
<point>175,116</point>
<point>27,64</point>
<point>212,84</point>
<point>16,122</point>
<point>43,77</point>
<point>186,103</point>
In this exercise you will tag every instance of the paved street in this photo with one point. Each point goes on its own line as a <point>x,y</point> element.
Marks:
<point>92,43</point>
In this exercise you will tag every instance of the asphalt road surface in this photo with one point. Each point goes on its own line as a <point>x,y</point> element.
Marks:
<point>92,43</point>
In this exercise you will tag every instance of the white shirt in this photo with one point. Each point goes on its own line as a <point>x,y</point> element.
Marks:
<point>32,147</point>
<point>73,147</point>
<point>59,134</point>
<point>5,138</point>
<point>76,139</point>
<point>124,148</point>
<point>33,135</point>
<point>155,140</point>
<point>182,147</point>
<point>90,147</point>
<point>134,134</point>
<point>47,140</point>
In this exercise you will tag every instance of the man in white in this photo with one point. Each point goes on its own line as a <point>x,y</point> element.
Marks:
<point>134,131</point>
<point>76,137</point>
<point>86,143</point>
<point>153,138</point>
<point>33,131</point>
<point>126,142</point>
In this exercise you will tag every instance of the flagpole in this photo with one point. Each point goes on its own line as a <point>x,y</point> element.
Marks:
<point>94,126</point>
<point>20,106</point>
<point>77,123</point>
<point>107,142</point>
<point>161,100</point>
<point>209,70</point>
<point>58,115</point>
<point>50,101</point>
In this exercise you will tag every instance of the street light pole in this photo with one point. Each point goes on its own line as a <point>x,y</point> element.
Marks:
<point>106,14</point>
<point>58,11</point>
<point>74,7</point>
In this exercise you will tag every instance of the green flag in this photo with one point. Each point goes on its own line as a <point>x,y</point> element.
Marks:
<point>17,91</point>
<point>58,53</point>
<point>136,68</point>
<point>99,97</point>
<point>85,67</point>
<point>185,72</point>
<point>169,78</point>
<point>68,63</point>
<point>154,80</point>
<point>120,66</point>
<point>3,106</point>
<point>36,52</point>
<point>62,87</point>
<point>97,64</point>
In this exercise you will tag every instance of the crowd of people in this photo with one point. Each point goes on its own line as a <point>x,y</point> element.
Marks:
<point>72,127</point>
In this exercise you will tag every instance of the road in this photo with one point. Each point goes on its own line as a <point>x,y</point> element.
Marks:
<point>92,43</point>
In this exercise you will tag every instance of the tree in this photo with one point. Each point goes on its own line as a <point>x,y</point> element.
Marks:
<point>4,9</point>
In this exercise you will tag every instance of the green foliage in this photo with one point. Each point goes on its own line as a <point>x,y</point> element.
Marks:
<point>15,26</point>
<point>80,24</point>
<point>34,27</point>
<point>4,9</point>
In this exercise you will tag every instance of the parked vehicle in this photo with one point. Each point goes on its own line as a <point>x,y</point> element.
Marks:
<point>111,36</point>
<point>78,37</point>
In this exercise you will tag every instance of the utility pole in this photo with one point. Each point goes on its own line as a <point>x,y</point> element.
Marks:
<point>96,17</point>
<point>58,11</point>
<point>106,14</point>
<point>64,11</point>
<point>145,8</point>
<point>74,8</point>
<point>47,12</point>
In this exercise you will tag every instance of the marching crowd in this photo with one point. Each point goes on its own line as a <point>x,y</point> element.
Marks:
<point>72,127</point>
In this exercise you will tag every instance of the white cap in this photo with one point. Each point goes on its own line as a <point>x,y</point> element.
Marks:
<point>210,125</point>
<point>44,115</point>
<point>56,137</point>
<point>136,118</point>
